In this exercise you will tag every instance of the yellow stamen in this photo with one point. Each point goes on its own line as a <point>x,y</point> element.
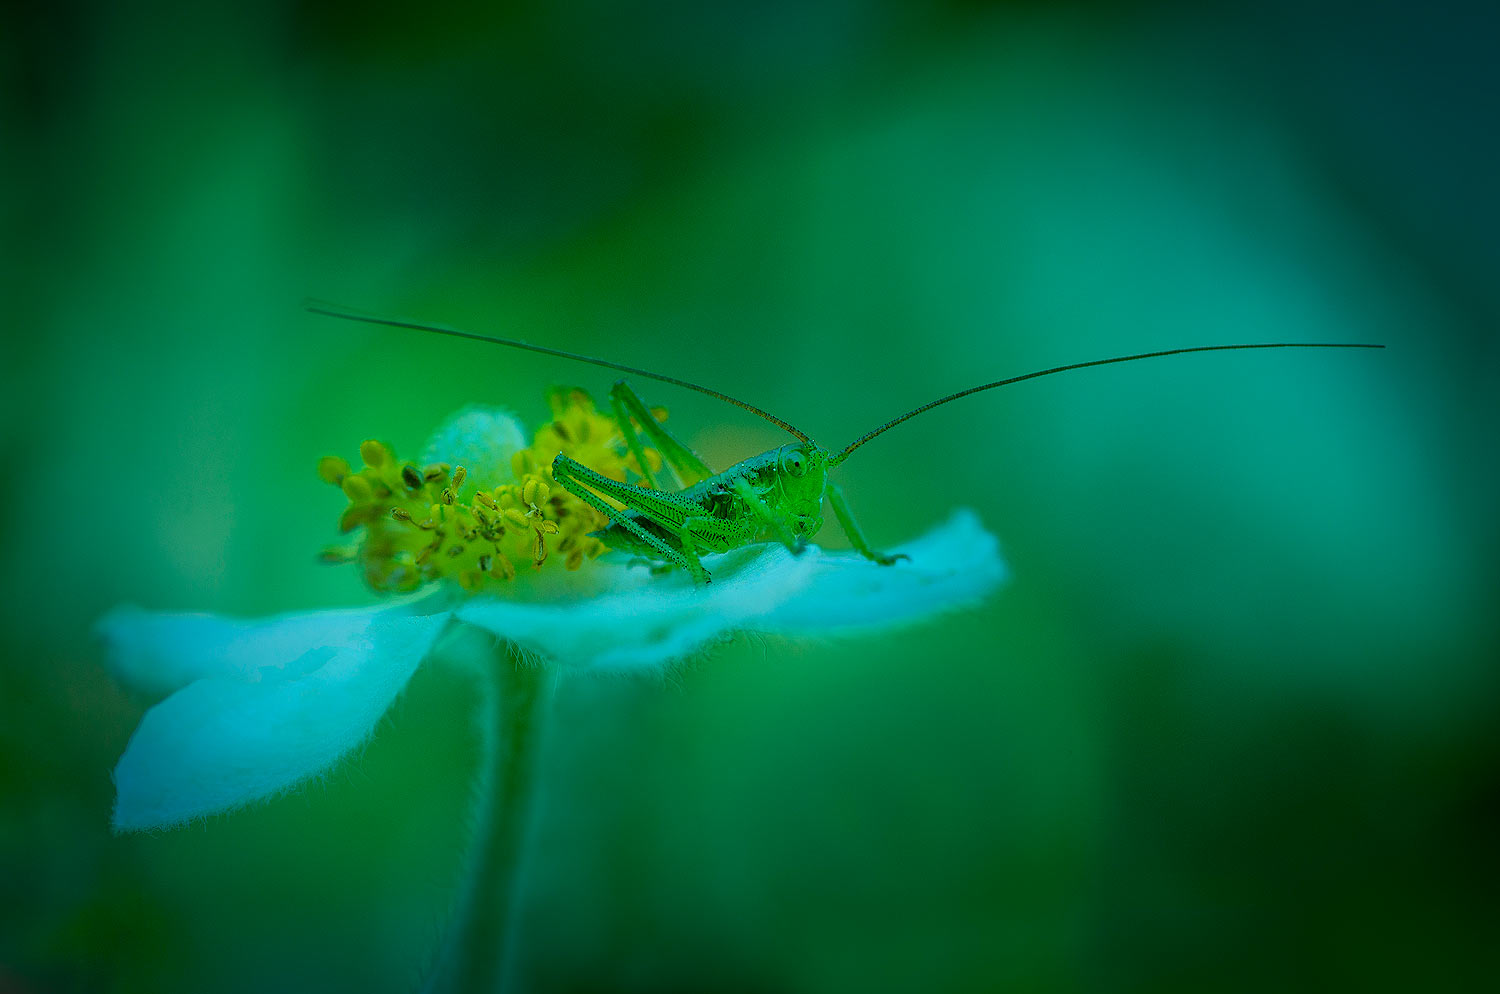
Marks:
<point>374,453</point>
<point>534,492</point>
<point>405,514</point>
<point>357,489</point>
<point>332,469</point>
<point>355,515</point>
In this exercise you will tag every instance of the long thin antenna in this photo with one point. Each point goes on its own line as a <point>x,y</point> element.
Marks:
<point>318,307</point>
<point>1082,365</point>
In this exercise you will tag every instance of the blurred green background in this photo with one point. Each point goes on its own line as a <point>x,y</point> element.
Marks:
<point>1232,725</point>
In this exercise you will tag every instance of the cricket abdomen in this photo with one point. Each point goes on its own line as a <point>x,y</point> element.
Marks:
<point>719,525</point>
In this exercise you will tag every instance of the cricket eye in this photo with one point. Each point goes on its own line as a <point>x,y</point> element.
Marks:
<point>793,463</point>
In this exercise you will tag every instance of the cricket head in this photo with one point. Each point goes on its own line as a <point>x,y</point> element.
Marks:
<point>802,468</point>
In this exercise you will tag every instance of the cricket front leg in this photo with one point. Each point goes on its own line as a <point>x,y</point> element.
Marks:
<point>852,529</point>
<point>773,521</point>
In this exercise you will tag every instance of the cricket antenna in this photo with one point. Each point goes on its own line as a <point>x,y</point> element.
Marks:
<point>1082,365</point>
<point>319,307</point>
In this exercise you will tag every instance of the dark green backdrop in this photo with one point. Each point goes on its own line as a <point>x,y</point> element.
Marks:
<point>1230,727</point>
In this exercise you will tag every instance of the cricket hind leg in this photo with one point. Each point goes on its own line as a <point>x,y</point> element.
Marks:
<point>681,463</point>
<point>577,479</point>
<point>852,529</point>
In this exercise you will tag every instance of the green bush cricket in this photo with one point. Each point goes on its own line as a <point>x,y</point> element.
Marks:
<point>775,496</point>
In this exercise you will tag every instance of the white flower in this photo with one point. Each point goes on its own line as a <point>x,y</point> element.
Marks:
<point>250,709</point>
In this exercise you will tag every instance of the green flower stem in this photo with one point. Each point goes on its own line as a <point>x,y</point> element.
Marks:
<point>477,954</point>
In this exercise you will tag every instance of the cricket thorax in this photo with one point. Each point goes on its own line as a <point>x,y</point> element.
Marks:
<point>790,481</point>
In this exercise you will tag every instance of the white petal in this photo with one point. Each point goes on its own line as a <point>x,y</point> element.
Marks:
<point>218,744</point>
<point>482,441</point>
<point>761,588</point>
<point>954,566</point>
<point>159,652</point>
<point>653,621</point>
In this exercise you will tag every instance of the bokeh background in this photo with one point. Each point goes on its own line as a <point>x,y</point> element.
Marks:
<point>1232,724</point>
